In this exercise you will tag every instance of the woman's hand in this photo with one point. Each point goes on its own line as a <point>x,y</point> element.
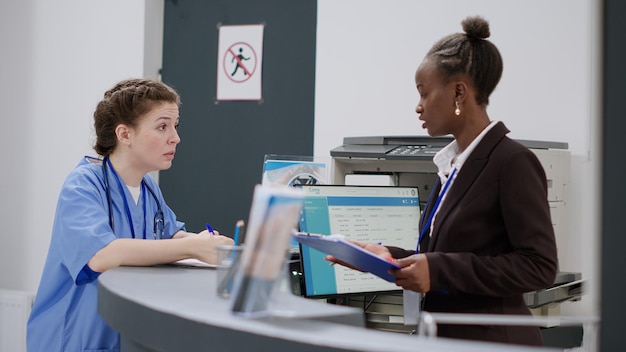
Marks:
<point>184,234</point>
<point>414,274</point>
<point>206,232</point>
<point>376,249</point>
<point>204,245</point>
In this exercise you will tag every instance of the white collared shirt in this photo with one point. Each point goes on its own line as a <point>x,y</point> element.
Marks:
<point>449,158</point>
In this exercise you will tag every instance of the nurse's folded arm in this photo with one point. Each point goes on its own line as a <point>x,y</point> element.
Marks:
<point>137,252</point>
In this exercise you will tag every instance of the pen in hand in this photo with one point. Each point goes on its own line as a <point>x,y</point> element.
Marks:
<point>210,229</point>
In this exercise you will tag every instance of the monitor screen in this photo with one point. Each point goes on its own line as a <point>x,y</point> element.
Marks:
<point>375,214</point>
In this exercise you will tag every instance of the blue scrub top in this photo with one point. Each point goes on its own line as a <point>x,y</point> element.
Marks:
<point>64,316</point>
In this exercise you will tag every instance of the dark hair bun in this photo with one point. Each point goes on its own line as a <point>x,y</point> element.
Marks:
<point>476,27</point>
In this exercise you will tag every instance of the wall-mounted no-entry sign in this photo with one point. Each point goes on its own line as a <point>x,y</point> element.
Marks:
<point>239,62</point>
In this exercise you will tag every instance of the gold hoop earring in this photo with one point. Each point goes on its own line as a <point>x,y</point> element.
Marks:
<point>457,111</point>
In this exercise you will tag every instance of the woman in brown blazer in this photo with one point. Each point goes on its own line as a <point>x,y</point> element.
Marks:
<point>486,235</point>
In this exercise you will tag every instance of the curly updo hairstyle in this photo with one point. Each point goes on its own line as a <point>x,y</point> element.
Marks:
<point>126,103</point>
<point>470,53</point>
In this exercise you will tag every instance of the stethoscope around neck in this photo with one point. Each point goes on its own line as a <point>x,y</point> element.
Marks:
<point>159,221</point>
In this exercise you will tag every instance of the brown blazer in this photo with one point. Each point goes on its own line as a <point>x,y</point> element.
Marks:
<point>492,240</point>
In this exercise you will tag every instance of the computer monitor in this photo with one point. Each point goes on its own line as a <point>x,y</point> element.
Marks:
<point>386,214</point>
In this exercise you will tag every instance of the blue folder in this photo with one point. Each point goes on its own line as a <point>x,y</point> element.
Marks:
<point>350,253</point>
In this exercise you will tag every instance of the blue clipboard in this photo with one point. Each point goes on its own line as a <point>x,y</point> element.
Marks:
<point>350,253</point>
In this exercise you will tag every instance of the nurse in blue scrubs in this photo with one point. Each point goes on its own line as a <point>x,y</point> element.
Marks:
<point>111,213</point>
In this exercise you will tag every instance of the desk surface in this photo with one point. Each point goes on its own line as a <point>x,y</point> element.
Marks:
<point>170,308</point>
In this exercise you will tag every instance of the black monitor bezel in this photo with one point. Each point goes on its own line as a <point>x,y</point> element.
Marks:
<point>304,293</point>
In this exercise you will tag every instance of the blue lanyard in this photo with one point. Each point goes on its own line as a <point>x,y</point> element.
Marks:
<point>127,208</point>
<point>426,226</point>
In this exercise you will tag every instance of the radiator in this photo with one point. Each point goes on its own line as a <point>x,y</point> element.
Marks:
<point>15,307</point>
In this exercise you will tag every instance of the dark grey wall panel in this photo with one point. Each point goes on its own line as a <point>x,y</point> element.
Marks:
<point>220,158</point>
<point>613,305</point>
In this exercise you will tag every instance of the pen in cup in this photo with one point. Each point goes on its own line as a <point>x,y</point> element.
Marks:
<point>238,227</point>
<point>210,229</point>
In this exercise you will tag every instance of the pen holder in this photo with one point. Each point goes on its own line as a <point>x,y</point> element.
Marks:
<point>228,259</point>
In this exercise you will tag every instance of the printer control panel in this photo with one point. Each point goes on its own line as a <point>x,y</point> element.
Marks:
<point>412,151</point>
<point>391,148</point>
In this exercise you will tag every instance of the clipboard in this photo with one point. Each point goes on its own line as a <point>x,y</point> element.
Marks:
<point>351,254</point>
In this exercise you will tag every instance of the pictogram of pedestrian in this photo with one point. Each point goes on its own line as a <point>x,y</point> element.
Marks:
<point>239,58</point>
<point>240,62</point>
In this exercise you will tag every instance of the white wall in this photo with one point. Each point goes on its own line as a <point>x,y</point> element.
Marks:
<point>368,50</point>
<point>56,60</point>
<point>58,57</point>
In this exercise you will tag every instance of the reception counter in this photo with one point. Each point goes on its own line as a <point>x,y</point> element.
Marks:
<point>171,308</point>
